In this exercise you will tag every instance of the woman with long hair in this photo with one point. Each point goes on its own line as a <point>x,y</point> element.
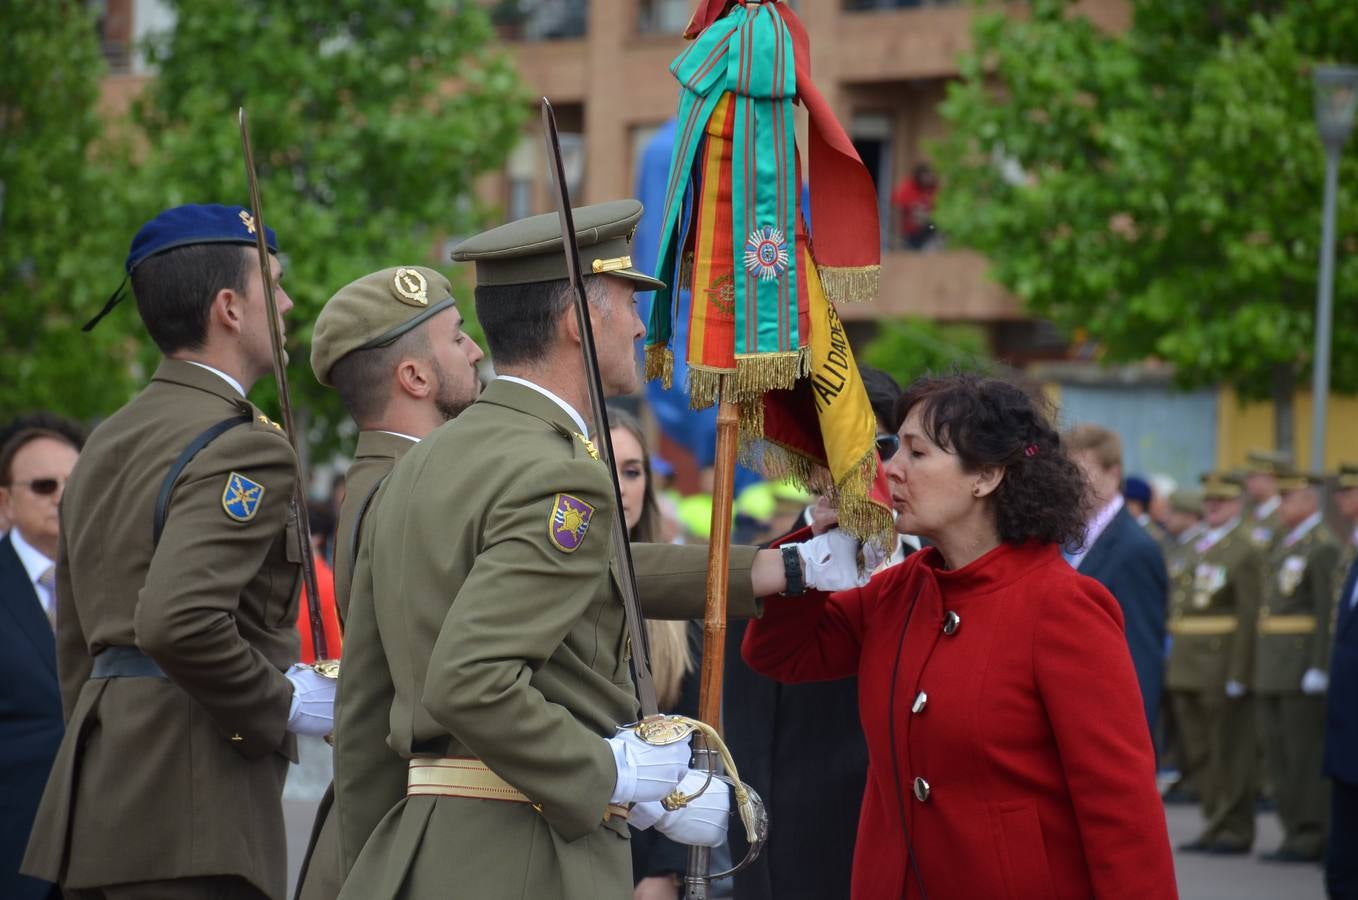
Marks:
<point>1008,752</point>
<point>657,862</point>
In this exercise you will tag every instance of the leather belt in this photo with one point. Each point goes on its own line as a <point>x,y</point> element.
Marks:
<point>125,662</point>
<point>1297,624</point>
<point>1204,625</point>
<point>459,776</point>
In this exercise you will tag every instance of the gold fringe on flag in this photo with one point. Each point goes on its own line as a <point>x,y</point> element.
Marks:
<point>759,373</point>
<point>704,385</point>
<point>858,515</point>
<point>857,284</point>
<point>660,364</point>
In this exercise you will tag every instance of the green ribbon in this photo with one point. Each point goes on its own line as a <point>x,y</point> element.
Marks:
<point>763,82</point>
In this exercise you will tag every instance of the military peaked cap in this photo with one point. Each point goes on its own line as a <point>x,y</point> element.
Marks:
<point>531,250</point>
<point>374,311</point>
<point>1268,462</point>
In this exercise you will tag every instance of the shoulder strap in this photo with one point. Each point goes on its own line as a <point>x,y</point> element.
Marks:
<point>198,443</point>
<point>358,524</point>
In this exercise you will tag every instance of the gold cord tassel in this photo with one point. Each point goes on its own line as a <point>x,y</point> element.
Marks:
<point>660,364</point>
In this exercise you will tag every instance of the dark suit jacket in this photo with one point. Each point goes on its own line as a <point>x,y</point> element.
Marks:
<point>1341,714</point>
<point>30,719</point>
<point>1127,561</point>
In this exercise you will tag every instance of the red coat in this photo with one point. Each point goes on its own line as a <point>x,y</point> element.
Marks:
<point>1040,772</point>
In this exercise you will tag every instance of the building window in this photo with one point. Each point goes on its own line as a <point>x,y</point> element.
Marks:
<point>662,16</point>
<point>540,20</point>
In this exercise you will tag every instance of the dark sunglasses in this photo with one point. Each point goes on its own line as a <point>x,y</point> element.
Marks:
<point>887,445</point>
<point>43,487</point>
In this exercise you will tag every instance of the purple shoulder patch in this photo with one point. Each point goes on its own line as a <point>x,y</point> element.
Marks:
<point>569,522</point>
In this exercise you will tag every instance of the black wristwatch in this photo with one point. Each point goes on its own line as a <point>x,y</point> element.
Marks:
<point>792,571</point>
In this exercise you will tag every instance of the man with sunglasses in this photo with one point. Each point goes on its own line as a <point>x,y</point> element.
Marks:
<point>34,465</point>
<point>177,579</point>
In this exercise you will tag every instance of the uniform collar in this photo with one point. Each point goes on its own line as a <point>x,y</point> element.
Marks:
<point>34,560</point>
<point>214,370</point>
<point>1302,530</point>
<point>572,417</point>
<point>1210,538</point>
<point>389,444</point>
<point>200,376</point>
<point>1265,509</point>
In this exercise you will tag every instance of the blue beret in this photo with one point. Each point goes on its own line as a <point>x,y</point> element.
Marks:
<point>195,223</point>
<point>1137,489</point>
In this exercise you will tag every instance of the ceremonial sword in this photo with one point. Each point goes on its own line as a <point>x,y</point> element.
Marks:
<point>323,665</point>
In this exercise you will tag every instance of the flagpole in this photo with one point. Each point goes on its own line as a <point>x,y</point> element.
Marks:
<point>714,614</point>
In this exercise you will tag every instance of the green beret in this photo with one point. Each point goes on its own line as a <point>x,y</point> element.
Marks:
<point>374,311</point>
<point>531,250</point>
<point>1267,462</point>
<point>1186,500</point>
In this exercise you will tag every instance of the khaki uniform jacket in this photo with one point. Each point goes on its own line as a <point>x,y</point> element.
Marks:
<point>1265,532</point>
<point>1212,625</point>
<point>504,640</point>
<point>163,778</point>
<point>1295,621</point>
<point>376,453</point>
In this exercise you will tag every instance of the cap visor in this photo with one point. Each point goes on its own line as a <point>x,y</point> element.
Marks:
<point>644,282</point>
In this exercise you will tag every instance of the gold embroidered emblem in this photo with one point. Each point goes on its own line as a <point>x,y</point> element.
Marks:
<point>411,287</point>
<point>589,445</point>
<point>248,221</point>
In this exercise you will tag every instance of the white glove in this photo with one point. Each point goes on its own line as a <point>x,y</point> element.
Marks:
<point>830,562</point>
<point>313,701</point>
<point>645,771</point>
<point>1235,690</point>
<point>702,823</point>
<point>1315,682</point>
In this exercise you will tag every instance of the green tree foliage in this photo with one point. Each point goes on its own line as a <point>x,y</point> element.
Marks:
<point>908,348</point>
<point>61,240</point>
<point>1160,189</point>
<point>370,120</point>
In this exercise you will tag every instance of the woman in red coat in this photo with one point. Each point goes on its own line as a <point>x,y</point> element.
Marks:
<point>1008,751</point>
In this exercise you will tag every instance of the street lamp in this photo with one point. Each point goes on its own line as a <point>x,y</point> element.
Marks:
<point>1336,99</point>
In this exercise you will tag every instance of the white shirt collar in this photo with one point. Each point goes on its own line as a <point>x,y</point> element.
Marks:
<point>570,410</point>
<point>34,560</point>
<point>408,437</point>
<point>1191,533</point>
<point>1302,530</point>
<point>225,377</point>
<point>1097,526</point>
<point>1210,538</point>
<point>1265,509</point>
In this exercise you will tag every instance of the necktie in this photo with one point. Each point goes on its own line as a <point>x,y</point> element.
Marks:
<point>48,579</point>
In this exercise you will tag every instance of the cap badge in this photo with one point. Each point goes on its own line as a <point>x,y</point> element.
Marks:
<point>766,253</point>
<point>570,520</point>
<point>248,221</point>
<point>411,286</point>
<point>241,496</point>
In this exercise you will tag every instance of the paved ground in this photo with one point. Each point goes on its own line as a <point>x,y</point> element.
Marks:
<point>1200,877</point>
<point>1239,877</point>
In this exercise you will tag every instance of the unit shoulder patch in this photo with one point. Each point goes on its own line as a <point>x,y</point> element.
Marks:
<point>568,523</point>
<point>241,497</point>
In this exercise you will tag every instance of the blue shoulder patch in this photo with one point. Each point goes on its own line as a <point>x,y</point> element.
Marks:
<point>241,497</point>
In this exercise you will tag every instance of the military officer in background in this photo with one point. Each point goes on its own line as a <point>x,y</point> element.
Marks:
<point>1291,667</point>
<point>1261,473</point>
<point>177,596</point>
<point>1182,527</point>
<point>486,560</point>
<point>1211,663</point>
<point>1341,711</point>
<point>391,344</point>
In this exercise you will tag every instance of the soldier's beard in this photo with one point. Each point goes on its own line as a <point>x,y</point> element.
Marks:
<point>447,399</point>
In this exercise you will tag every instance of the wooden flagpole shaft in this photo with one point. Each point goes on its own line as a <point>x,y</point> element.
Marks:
<point>714,615</point>
<point>718,556</point>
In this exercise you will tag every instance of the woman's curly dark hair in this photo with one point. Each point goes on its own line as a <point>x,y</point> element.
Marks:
<point>990,422</point>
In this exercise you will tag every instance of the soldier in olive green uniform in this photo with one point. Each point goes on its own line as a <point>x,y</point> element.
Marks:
<point>1261,495</point>
<point>392,346</point>
<point>486,563</point>
<point>1183,526</point>
<point>1211,663</point>
<point>177,597</point>
<point>1291,663</point>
